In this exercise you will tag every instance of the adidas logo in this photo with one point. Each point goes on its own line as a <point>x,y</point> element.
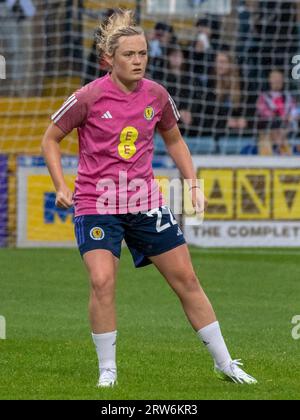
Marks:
<point>179,232</point>
<point>107,116</point>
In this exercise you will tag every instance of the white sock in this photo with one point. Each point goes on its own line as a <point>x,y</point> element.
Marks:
<point>106,350</point>
<point>214,341</point>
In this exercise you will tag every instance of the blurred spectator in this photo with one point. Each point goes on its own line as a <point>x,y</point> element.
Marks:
<point>180,84</point>
<point>16,34</point>
<point>215,24</point>
<point>277,112</point>
<point>203,39</point>
<point>296,150</point>
<point>160,40</point>
<point>220,112</point>
<point>201,54</point>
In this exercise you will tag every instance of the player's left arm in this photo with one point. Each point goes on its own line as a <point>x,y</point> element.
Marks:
<point>179,152</point>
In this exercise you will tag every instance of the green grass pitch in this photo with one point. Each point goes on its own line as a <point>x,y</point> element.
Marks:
<point>48,353</point>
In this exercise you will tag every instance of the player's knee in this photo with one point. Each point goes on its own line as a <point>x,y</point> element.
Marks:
<point>190,283</point>
<point>185,282</point>
<point>102,285</point>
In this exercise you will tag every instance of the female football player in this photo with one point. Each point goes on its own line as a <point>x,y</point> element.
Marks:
<point>116,117</point>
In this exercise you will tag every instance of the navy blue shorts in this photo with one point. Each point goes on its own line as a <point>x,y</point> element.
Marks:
<point>146,234</point>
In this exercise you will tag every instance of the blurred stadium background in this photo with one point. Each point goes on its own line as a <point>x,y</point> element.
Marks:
<point>232,66</point>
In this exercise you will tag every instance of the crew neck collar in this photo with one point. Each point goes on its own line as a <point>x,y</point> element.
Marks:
<point>121,92</point>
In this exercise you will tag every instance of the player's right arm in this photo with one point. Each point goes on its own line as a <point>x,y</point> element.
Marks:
<point>72,114</point>
<point>51,152</point>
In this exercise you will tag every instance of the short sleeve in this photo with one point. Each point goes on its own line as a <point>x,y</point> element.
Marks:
<point>170,114</point>
<point>73,112</point>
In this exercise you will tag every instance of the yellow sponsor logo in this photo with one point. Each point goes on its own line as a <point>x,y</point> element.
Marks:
<point>218,185</point>
<point>287,197</point>
<point>252,194</point>
<point>128,137</point>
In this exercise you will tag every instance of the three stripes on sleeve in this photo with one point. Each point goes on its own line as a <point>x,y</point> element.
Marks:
<point>71,101</point>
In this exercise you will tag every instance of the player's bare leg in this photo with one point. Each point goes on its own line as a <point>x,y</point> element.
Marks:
<point>102,266</point>
<point>176,266</point>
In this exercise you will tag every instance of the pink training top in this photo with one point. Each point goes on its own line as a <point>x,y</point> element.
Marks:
<point>116,133</point>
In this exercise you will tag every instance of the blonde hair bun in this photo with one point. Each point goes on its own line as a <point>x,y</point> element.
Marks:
<point>120,23</point>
